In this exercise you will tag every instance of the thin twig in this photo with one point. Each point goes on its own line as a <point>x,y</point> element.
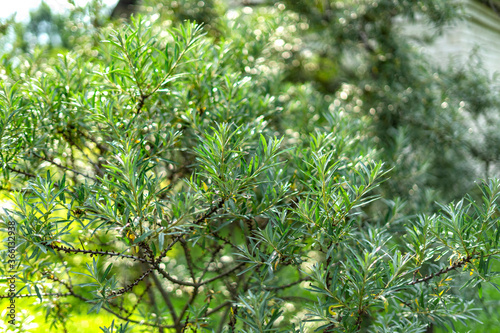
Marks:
<point>291,284</point>
<point>21,172</point>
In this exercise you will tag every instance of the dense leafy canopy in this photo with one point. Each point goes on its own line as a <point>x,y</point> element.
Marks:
<point>274,170</point>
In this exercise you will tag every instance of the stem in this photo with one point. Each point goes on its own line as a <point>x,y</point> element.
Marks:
<point>166,297</point>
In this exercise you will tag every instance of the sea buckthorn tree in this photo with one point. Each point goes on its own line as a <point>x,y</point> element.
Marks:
<point>179,182</point>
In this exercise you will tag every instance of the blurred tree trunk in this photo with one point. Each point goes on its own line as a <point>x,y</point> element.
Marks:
<point>125,8</point>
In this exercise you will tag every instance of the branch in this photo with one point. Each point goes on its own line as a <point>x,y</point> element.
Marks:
<point>211,211</point>
<point>72,293</point>
<point>167,276</point>
<point>186,307</point>
<point>71,142</point>
<point>165,296</point>
<point>96,252</point>
<point>64,167</point>
<point>21,172</point>
<point>366,42</point>
<point>222,274</point>
<point>291,284</point>
<point>131,285</point>
<point>442,271</point>
<point>140,105</point>
<point>215,250</point>
<point>189,259</point>
<point>148,287</point>
<point>9,189</point>
<point>101,147</point>
<point>217,308</point>
<point>35,295</point>
<point>156,261</point>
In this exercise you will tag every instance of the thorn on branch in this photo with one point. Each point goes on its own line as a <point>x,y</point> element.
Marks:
<point>92,253</point>
<point>21,172</point>
<point>444,270</point>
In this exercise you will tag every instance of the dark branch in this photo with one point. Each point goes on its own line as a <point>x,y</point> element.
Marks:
<point>21,172</point>
<point>64,167</point>
<point>96,252</point>
<point>456,265</point>
<point>291,284</point>
<point>35,295</point>
<point>131,285</point>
